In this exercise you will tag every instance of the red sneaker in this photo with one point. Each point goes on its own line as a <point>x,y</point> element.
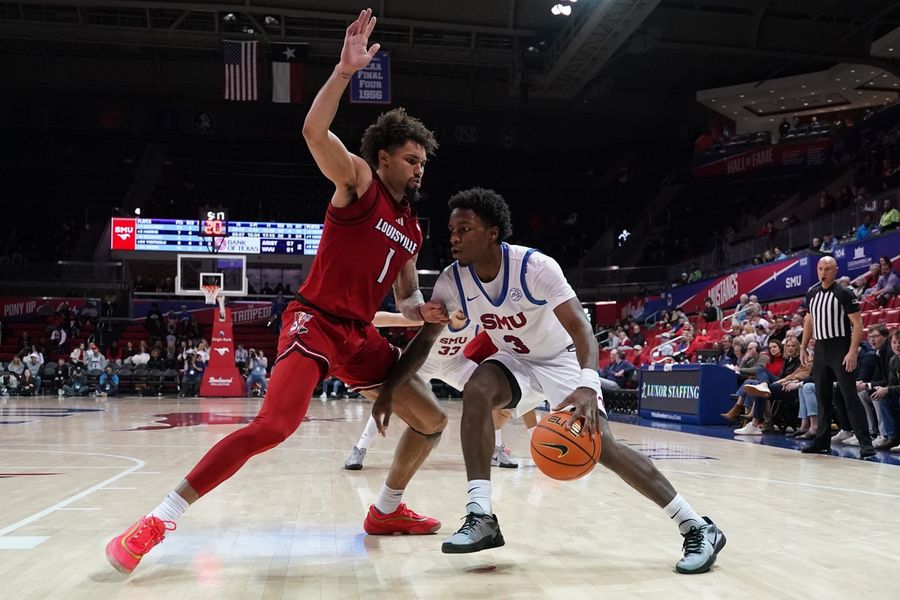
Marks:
<point>402,521</point>
<point>125,551</point>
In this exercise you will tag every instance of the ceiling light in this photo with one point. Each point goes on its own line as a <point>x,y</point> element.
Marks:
<point>803,86</point>
<point>806,104</point>
<point>561,9</point>
<point>229,17</point>
<point>742,95</point>
<point>271,21</point>
<point>852,70</point>
<point>890,49</point>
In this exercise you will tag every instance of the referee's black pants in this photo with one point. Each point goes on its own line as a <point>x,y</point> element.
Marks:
<point>828,367</point>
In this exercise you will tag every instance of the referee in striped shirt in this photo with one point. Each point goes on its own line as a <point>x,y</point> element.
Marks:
<point>836,325</point>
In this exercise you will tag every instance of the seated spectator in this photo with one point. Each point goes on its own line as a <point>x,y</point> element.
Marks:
<point>9,384</point>
<point>815,246</point>
<point>751,360</point>
<point>28,385</point>
<point>890,216</point>
<point>696,274</point>
<point>740,311</point>
<point>639,359</point>
<point>796,328</point>
<point>620,340</point>
<point>864,230</point>
<point>778,330</point>
<point>711,312</point>
<point>776,369</point>
<point>61,376</point>
<point>778,254</point>
<point>240,359</point>
<point>94,359</point>
<point>886,288</point>
<point>77,385</point>
<point>190,381</point>
<point>141,357</point>
<point>257,371</point>
<point>893,387</point>
<point>58,339</point>
<point>867,281</point>
<point>108,384</point>
<point>618,370</point>
<point>637,338</point>
<point>128,352</point>
<point>34,363</point>
<point>16,367</point>
<point>829,244</point>
<point>873,390</point>
<point>202,355</point>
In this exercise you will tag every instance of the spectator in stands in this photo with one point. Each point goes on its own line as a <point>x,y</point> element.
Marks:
<point>154,322</point>
<point>865,229</point>
<point>663,322</point>
<point>740,311</point>
<point>257,372</point>
<point>890,216</point>
<point>796,328</point>
<point>619,370</point>
<point>9,384</point>
<point>61,375</point>
<point>829,244</point>
<point>696,274</point>
<point>128,352</point>
<point>190,381</point>
<point>815,246</point>
<point>34,363</point>
<point>727,348</point>
<point>94,359</point>
<point>776,369</point>
<point>202,354</point>
<point>266,290</point>
<point>749,362</point>
<point>778,254</point>
<point>142,356</point>
<point>893,387</point>
<point>875,390</point>
<point>639,359</point>
<point>767,230</point>
<point>58,339</point>
<point>624,341</point>
<point>778,330</point>
<point>711,312</point>
<point>108,384</point>
<point>240,359</point>
<point>28,385</point>
<point>636,336</point>
<point>16,366</point>
<point>866,282</point>
<point>886,288</point>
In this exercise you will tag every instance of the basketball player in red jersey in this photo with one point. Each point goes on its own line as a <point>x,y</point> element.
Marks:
<point>370,242</point>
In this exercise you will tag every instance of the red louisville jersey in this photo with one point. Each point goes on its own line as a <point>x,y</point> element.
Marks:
<point>363,247</point>
<point>480,348</point>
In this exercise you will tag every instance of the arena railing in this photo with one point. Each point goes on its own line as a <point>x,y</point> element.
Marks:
<point>63,271</point>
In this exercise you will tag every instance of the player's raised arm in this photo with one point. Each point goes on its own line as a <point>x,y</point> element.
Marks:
<point>350,173</point>
<point>584,398</point>
<point>384,318</point>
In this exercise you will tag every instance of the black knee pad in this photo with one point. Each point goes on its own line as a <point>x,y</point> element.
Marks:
<point>434,438</point>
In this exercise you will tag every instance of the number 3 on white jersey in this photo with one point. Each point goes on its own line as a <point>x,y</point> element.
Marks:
<point>387,264</point>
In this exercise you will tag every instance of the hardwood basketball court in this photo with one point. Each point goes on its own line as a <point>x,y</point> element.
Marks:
<point>77,472</point>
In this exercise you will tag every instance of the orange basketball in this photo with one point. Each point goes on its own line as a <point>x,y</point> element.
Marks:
<point>562,453</point>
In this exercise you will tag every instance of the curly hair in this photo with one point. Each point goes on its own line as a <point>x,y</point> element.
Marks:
<point>488,205</point>
<point>393,129</point>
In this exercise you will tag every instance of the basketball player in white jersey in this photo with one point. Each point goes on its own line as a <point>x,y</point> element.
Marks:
<point>523,301</point>
<point>448,362</point>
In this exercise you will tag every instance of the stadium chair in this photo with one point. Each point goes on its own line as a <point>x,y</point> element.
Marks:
<point>155,382</point>
<point>170,382</point>
<point>140,379</point>
<point>126,381</point>
<point>872,317</point>
<point>892,316</point>
<point>48,372</point>
<point>93,379</point>
<point>895,302</point>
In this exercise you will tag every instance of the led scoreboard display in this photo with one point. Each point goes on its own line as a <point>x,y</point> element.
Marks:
<point>190,235</point>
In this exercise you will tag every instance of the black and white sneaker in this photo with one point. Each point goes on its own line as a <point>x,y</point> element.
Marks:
<point>479,532</point>
<point>354,462</point>
<point>701,545</point>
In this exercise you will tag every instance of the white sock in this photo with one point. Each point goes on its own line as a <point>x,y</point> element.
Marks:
<point>684,516</point>
<point>479,496</point>
<point>388,499</point>
<point>498,438</point>
<point>368,434</point>
<point>171,508</point>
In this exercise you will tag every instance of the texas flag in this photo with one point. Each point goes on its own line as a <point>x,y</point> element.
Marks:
<point>288,72</point>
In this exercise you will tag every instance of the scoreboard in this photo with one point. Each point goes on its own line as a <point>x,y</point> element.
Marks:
<point>243,237</point>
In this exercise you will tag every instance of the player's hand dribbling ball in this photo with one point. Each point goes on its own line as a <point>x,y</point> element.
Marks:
<point>562,453</point>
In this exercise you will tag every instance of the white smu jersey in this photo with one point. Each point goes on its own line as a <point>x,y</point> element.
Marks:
<point>516,308</point>
<point>447,351</point>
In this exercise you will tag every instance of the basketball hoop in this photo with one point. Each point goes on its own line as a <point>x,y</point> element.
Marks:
<point>212,293</point>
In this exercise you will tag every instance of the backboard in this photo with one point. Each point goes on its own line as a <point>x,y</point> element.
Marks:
<point>229,271</point>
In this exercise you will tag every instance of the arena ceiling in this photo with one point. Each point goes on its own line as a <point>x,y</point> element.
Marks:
<point>643,58</point>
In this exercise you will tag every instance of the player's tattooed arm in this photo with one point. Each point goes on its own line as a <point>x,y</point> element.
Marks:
<point>410,301</point>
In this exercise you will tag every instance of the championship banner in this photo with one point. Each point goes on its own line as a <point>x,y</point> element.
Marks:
<point>26,308</point>
<point>779,155</point>
<point>242,313</point>
<point>788,278</point>
<point>372,85</point>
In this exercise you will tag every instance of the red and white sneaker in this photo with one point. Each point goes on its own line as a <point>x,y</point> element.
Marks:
<point>125,551</point>
<point>401,521</point>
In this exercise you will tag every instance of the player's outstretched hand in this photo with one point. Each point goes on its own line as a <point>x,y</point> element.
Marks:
<point>355,54</point>
<point>381,410</point>
<point>434,311</point>
<point>585,402</point>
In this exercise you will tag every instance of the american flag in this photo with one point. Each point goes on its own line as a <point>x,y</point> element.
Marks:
<point>240,70</point>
